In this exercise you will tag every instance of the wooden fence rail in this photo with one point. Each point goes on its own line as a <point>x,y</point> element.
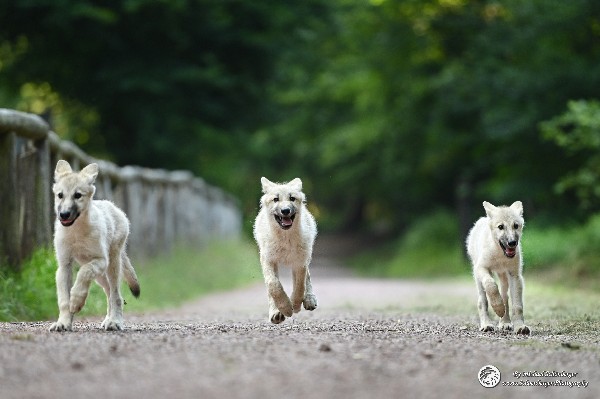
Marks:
<point>164,207</point>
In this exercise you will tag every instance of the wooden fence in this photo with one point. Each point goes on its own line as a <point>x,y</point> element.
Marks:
<point>163,207</point>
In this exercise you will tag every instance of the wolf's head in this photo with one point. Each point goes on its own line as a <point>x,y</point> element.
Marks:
<point>506,224</point>
<point>283,201</point>
<point>73,191</point>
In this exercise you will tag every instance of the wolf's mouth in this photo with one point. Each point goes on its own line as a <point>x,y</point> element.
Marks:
<point>68,222</point>
<point>285,221</point>
<point>508,251</point>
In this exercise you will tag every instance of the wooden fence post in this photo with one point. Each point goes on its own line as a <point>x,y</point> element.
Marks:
<point>9,239</point>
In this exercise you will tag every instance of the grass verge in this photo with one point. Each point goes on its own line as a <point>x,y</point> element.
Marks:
<point>166,281</point>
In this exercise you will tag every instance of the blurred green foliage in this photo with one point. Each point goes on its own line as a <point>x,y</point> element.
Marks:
<point>578,131</point>
<point>388,109</point>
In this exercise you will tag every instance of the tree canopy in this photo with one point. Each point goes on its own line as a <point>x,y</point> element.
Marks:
<point>386,109</point>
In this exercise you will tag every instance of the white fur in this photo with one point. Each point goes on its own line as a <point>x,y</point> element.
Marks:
<point>292,247</point>
<point>96,240</point>
<point>488,246</point>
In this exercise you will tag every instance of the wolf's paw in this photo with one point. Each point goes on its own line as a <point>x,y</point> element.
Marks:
<point>505,326</point>
<point>486,328</point>
<point>310,302</point>
<point>297,302</point>
<point>77,302</point>
<point>60,326</point>
<point>112,324</point>
<point>522,330</point>
<point>277,317</point>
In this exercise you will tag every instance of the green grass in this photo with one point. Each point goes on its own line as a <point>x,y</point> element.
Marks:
<point>29,295</point>
<point>166,281</point>
<point>431,248</point>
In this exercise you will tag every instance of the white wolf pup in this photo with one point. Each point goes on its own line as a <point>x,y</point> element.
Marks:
<point>285,232</point>
<point>493,246</point>
<point>93,233</point>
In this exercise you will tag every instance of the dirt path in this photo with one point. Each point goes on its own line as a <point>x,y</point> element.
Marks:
<point>368,339</point>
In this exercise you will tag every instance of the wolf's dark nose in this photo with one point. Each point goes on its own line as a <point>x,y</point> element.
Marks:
<point>285,211</point>
<point>512,244</point>
<point>65,215</point>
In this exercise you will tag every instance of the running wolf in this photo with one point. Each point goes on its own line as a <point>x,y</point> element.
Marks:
<point>493,246</point>
<point>93,233</point>
<point>285,232</point>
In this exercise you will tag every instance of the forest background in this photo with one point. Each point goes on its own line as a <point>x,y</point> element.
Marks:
<point>399,115</point>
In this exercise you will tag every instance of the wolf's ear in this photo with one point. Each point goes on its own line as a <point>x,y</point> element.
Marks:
<point>266,184</point>
<point>296,184</point>
<point>90,172</point>
<point>517,206</point>
<point>62,168</point>
<point>489,208</point>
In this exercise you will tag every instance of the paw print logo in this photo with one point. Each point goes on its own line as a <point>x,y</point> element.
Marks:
<point>489,376</point>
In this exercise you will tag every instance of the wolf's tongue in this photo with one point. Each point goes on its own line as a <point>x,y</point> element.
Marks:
<point>285,221</point>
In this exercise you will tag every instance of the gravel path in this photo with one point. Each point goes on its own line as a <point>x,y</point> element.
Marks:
<point>369,338</point>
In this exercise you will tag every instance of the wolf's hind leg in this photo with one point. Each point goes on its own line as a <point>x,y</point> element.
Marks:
<point>103,282</point>
<point>505,323</point>
<point>114,318</point>
<point>310,299</point>
<point>516,293</point>
<point>299,276</point>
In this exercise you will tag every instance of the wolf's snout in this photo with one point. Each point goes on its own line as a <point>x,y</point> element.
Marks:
<point>67,218</point>
<point>286,211</point>
<point>512,244</point>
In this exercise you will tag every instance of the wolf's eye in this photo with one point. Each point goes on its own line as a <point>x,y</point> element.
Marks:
<point>59,195</point>
<point>77,195</point>
<point>500,227</point>
<point>516,226</point>
<point>292,198</point>
<point>275,199</point>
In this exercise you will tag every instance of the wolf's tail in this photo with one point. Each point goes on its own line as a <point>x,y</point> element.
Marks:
<point>130,276</point>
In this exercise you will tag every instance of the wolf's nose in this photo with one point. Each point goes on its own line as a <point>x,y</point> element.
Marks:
<point>512,244</point>
<point>65,215</point>
<point>285,211</point>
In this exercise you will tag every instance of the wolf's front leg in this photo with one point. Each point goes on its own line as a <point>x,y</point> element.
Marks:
<point>87,273</point>
<point>485,278</point>
<point>505,323</point>
<point>64,280</point>
<point>280,305</point>
<point>516,292</point>
<point>299,274</point>
<point>485,323</point>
